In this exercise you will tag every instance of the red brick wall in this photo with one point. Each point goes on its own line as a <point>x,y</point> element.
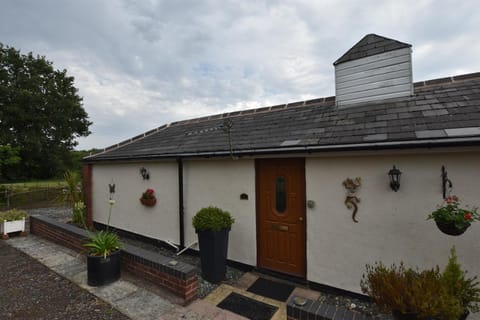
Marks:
<point>184,288</point>
<point>187,288</point>
<point>87,192</point>
<point>46,231</point>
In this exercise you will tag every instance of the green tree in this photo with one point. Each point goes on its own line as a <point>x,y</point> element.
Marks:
<point>8,157</point>
<point>41,114</point>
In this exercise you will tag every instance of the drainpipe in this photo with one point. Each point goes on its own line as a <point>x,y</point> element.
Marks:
<point>180,202</point>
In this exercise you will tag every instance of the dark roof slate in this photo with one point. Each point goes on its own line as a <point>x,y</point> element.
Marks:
<point>441,110</point>
<point>370,45</point>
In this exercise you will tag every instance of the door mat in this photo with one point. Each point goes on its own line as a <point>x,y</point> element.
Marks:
<point>247,307</point>
<point>271,289</point>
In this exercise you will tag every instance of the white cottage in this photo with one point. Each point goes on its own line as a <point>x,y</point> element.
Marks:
<point>280,171</point>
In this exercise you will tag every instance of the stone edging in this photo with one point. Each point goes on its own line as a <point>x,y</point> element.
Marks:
<point>316,310</point>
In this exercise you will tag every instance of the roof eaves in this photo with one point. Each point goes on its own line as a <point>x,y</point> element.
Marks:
<point>379,145</point>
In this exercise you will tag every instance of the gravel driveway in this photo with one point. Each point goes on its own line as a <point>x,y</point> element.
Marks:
<point>29,290</point>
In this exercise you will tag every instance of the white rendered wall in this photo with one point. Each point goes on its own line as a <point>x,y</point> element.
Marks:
<point>161,221</point>
<point>392,225</point>
<point>220,183</point>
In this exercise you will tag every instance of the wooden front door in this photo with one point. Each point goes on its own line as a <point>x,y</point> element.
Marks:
<point>281,215</point>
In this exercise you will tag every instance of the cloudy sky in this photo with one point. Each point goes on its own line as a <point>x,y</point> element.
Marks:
<point>141,64</point>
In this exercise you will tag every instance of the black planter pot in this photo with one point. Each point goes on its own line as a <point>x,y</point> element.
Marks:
<point>101,271</point>
<point>213,254</point>
<point>450,229</point>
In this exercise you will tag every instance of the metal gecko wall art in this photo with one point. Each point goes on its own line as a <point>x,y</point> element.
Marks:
<point>351,200</point>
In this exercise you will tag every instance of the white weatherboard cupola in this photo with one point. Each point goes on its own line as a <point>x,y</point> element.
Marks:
<point>376,68</point>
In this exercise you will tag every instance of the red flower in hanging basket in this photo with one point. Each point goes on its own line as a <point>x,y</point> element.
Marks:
<point>452,217</point>
<point>148,198</point>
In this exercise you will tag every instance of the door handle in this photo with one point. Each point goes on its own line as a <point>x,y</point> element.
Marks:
<point>300,219</point>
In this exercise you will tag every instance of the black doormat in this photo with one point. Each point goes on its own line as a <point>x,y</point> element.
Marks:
<point>247,307</point>
<point>271,289</point>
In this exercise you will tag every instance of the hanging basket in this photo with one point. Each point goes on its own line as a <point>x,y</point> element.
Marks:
<point>148,202</point>
<point>450,228</point>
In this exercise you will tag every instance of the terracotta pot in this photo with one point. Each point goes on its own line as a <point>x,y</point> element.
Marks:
<point>450,229</point>
<point>148,202</point>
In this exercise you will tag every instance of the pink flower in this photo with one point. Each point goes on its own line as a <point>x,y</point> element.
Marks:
<point>150,191</point>
<point>468,216</point>
<point>448,200</point>
<point>455,198</point>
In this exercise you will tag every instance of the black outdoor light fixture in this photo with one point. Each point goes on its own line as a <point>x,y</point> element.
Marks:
<point>394,175</point>
<point>145,174</point>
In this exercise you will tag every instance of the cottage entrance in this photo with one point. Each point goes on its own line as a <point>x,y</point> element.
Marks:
<point>281,215</point>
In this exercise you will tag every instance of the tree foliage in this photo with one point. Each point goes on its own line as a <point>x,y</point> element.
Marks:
<point>41,114</point>
<point>8,157</point>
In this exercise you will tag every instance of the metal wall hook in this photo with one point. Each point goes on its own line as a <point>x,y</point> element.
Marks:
<point>445,181</point>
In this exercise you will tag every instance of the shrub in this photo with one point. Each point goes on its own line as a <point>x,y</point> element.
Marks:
<point>403,290</point>
<point>455,281</point>
<point>78,214</point>
<point>12,215</point>
<point>212,218</point>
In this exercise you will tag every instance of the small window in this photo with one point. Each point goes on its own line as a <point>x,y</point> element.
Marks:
<point>280,195</point>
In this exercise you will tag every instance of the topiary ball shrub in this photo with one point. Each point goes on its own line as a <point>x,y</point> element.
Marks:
<point>212,218</point>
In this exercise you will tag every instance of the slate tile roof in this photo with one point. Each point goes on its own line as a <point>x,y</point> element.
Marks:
<point>370,45</point>
<point>442,111</point>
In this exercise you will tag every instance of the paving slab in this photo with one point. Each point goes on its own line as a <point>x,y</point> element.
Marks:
<point>143,304</point>
<point>116,291</point>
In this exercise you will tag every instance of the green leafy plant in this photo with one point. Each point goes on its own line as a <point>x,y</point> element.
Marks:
<point>104,242</point>
<point>148,194</point>
<point>458,285</point>
<point>78,214</point>
<point>212,218</point>
<point>407,291</point>
<point>13,215</point>
<point>73,192</point>
<point>450,212</point>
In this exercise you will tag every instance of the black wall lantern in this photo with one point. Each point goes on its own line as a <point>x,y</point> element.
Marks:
<point>145,174</point>
<point>394,175</point>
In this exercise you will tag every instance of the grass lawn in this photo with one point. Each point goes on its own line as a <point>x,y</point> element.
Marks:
<point>29,185</point>
<point>32,194</point>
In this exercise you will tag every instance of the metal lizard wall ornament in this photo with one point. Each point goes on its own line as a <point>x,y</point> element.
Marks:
<point>351,201</point>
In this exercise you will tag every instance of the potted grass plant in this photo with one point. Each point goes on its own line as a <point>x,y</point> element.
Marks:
<point>103,258</point>
<point>212,226</point>
<point>12,221</point>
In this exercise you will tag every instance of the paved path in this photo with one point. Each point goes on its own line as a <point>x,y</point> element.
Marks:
<point>132,300</point>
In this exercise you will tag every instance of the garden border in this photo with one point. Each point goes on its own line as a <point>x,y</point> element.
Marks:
<point>180,279</point>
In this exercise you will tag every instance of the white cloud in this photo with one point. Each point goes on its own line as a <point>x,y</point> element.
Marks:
<point>140,64</point>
